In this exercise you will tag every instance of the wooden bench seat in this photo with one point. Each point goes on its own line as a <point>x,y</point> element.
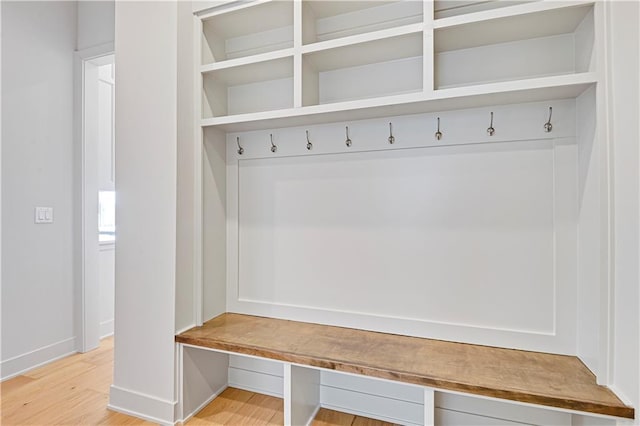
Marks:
<point>532,377</point>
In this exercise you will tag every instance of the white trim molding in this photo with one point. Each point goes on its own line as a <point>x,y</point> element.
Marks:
<point>134,403</point>
<point>28,361</point>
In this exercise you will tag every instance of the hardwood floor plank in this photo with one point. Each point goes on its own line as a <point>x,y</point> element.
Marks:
<point>49,369</point>
<point>278,418</point>
<point>363,421</point>
<point>258,410</point>
<point>70,391</point>
<point>12,385</point>
<point>332,418</point>
<point>221,409</point>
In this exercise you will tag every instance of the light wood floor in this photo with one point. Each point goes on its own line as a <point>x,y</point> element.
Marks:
<point>75,391</point>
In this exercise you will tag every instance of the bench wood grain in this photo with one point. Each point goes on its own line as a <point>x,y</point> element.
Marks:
<point>532,377</point>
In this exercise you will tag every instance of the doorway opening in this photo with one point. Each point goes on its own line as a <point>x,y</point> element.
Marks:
<point>96,288</point>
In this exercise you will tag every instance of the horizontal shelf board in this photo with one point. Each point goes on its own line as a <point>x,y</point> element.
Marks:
<point>567,82</point>
<point>330,8</point>
<point>509,12</point>
<point>533,20</point>
<point>558,381</point>
<point>362,38</point>
<point>447,8</point>
<point>371,52</point>
<point>503,93</point>
<point>254,72</point>
<point>247,60</point>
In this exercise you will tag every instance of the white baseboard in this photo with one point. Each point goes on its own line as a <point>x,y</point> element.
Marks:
<point>142,406</point>
<point>106,329</point>
<point>22,363</point>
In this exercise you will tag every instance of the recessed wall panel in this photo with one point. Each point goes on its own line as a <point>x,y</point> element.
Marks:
<point>458,235</point>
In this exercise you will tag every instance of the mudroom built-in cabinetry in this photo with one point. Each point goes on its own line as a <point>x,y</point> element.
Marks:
<point>430,170</point>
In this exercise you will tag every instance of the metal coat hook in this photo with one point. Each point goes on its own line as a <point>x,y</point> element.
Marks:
<point>438,132</point>
<point>240,149</point>
<point>491,130</point>
<point>391,138</point>
<point>548,126</point>
<point>309,144</point>
<point>274,148</point>
<point>348,141</point>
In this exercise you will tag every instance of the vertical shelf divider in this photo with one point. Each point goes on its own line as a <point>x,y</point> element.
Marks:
<point>297,53</point>
<point>198,255</point>
<point>603,134</point>
<point>301,394</point>
<point>429,407</point>
<point>428,58</point>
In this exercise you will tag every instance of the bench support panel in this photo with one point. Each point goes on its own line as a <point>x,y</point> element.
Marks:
<point>204,377</point>
<point>301,394</point>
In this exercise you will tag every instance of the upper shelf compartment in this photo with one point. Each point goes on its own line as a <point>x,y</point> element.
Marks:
<point>324,20</point>
<point>249,30</point>
<point>526,41</point>
<point>378,68</point>
<point>248,88</point>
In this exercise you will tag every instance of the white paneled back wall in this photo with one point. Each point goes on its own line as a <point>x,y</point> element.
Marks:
<point>471,237</point>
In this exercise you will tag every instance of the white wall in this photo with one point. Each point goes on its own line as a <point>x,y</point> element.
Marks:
<point>37,170</point>
<point>146,129</point>
<point>96,24</point>
<point>625,90</point>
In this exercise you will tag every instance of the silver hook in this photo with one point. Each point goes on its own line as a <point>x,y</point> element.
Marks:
<point>274,148</point>
<point>491,130</point>
<point>438,132</point>
<point>240,149</point>
<point>548,126</point>
<point>391,138</point>
<point>309,144</point>
<point>348,141</point>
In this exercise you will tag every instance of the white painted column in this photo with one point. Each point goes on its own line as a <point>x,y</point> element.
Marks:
<point>146,128</point>
<point>623,44</point>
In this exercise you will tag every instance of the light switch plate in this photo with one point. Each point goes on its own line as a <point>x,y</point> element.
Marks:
<point>43,215</point>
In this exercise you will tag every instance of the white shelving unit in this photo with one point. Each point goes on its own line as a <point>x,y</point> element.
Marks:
<point>282,59</point>
<point>279,74</point>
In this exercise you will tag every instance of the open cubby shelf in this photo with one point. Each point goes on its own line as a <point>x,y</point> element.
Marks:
<point>336,52</point>
<point>227,36</point>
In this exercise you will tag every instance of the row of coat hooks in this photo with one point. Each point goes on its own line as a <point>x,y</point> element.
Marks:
<point>548,127</point>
